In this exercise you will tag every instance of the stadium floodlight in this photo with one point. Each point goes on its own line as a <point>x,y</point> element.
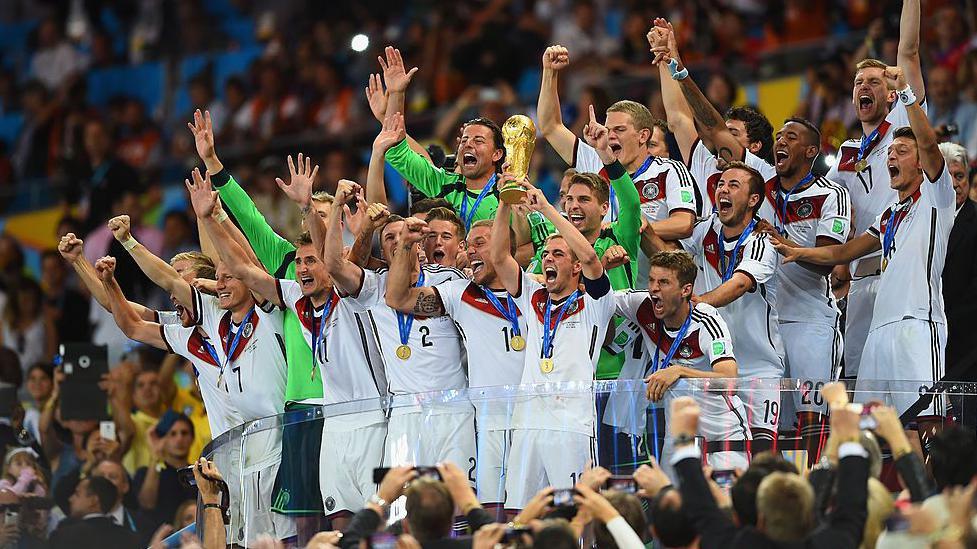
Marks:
<point>830,160</point>
<point>359,42</point>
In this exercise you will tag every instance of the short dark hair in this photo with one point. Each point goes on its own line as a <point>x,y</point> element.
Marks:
<point>427,204</point>
<point>951,457</point>
<point>595,182</point>
<point>430,510</point>
<point>449,215</point>
<point>757,185</point>
<point>45,367</point>
<point>304,239</point>
<point>661,125</point>
<point>630,508</point>
<point>904,131</point>
<point>758,128</point>
<point>104,490</point>
<point>497,139</point>
<point>10,371</point>
<point>555,534</point>
<point>392,218</point>
<point>678,261</point>
<point>489,223</point>
<point>672,525</point>
<point>812,129</point>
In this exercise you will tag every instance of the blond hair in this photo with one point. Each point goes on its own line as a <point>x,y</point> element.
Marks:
<point>785,507</point>
<point>323,197</point>
<point>879,506</point>
<point>640,115</point>
<point>870,64</point>
<point>202,265</point>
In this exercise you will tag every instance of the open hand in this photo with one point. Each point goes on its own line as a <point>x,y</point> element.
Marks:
<point>376,97</point>
<point>202,129</point>
<point>203,197</point>
<point>393,132</point>
<point>300,182</point>
<point>395,73</point>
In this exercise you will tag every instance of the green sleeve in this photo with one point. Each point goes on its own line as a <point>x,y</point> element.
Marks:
<point>417,171</point>
<point>628,225</point>
<point>270,248</point>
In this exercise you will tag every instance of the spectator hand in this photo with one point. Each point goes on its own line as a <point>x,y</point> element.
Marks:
<point>834,394</point>
<point>536,507</point>
<point>325,540</point>
<point>105,268</point>
<point>392,485</point>
<point>392,132</point>
<point>488,536</point>
<point>9,534</point>
<point>395,73</point>
<point>407,541</point>
<point>685,417</point>
<point>203,197</point>
<point>210,491</point>
<point>844,423</point>
<point>458,486</point>
<point>651,479</point>
<point>596,504</point>
<point>595,477</point>
<point>120,227</point>
<point>301,179</point>
<point>70,247</point>
<point>161,533</point>
<point>556,58</point>
<point>889,427</point>
<point>156,443</point>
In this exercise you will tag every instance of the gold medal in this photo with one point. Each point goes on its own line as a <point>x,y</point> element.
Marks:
<point>403,352</point>
<point>546,365</point>
<point>517,343</point>
<point>861,165</point>
<point>885,263</point>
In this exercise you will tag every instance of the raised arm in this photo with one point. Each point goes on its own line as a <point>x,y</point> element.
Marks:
<point>160,272</point>
<point>499,249</point>
<point>361,252</point>
<point>680,120</point>
<point>907,56</point>
<point>592,267</point>
<point>346,275</point>
<point>930,157</point>
<point>400,294</point>
<point>555,59</point>
<point>125,316</point>
<point>836,254</point>
<point>376,186</point>
<point>393,99</point>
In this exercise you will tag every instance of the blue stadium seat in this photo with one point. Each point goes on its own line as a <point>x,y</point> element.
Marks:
<point>10,125</point>
<point>144,82</point>
<point>233,63</point>
<point>239,29</point>
<point>13,36</point>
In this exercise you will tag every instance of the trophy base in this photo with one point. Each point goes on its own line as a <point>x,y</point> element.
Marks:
<point>513,194</point>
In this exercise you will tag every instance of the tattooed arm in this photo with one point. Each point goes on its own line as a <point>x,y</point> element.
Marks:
<point>401,295</point>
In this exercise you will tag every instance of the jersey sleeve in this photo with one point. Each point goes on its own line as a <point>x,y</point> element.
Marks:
<point>627,303</point>
<point>719,342</point>
<point>876,228</point>
<point>627,228</point>
<point>940,191</point>
<point>167,317</point>
<point>420,173</point>
<point>766,170</point>
<point>206,312</point>
<point>289,293</point>
<point>680,190</point>
<point>835,222</point>
<point>585,158</point>
<point>175,337</point>
<point>759,259</point>
<point>371,292</point>
<point>450,292</point>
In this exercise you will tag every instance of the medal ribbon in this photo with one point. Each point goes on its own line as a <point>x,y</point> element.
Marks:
<point>234,344</point>
<point>317,342</point>
<point>547,335</point>
<point>466,216</point>
<point>210,350</point>
<point>782,228</point>
<point>889,239</point>
<point>676,343</point>
<point>727,270</point>
<point>509,312</point>
<point>405,321</point>
<point>866,144</point>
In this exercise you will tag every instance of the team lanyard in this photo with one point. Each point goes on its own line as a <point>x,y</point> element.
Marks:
<point>676,343</point>
<point>405,321</point>
<point>234,344</point>
<point>867,141</point>
<point>210,350</point>
<point>634,177</point>
<point>727,270</point>
<point>889,239</point>
<point>466,216</point>
<point>782,229</point>
<point>509,312</point>
<point>547,335</point>
<point>316,343</point>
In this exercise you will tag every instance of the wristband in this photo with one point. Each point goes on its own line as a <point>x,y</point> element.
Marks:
<point>130,243</point>
<point>213,506</point>
<point>906,96</point>
<point>221,217</point>
<point>677,74</point>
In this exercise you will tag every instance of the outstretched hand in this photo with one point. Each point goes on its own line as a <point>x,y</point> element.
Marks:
<point>120,227</point>
<point>376,97</point>
<point>300,181</point>
<point>556,58</point>
<point>395,73</point>
<point>203,197</point>
<point>202,129</point>
<point>392,132</point>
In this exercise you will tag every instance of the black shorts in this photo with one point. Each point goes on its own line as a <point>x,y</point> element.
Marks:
<point>297,484</point>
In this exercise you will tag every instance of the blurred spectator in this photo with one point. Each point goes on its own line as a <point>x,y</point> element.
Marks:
<point>31,154</point>
<point>953,117</point>
<point>40,387</point>
<point>721,90</point>
<point>25,328</point>
<point>121,512</point>
<point>178,234</point>
<point>273,111</point>
<point>952,38</point>
<point>21,473</point>
<point>88,524</point>
<point>331,105</point>
<point>103,178</point>
<point>67,307</point>
<point>159,490</point>
<point>278,210</point>
<point>55,60</point>
<point>148,404</point>
<point>138,143</point>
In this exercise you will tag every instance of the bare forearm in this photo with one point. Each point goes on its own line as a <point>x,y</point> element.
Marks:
<point>214,535</point>
<point>676,226</point>
<point>651,243</point>
<point>578,244</point>
<point>677,111</point>
<point>728,291</point>
<point>505,265</point>
<point>551,120</point>
<point>149,491</point>
<point>398,279</point>
<point>376,190</point>
<point>711,123</point>
<point>724,373</point>
<point>161,273</point>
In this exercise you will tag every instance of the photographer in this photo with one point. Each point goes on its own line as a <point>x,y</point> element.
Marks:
<point>208,479</point>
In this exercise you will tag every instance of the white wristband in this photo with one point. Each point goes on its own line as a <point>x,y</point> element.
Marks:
<point>906,96</point>
<point>129,243</point>
<point>221,217</point>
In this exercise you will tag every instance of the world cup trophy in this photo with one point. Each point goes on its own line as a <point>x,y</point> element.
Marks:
<point>519,136</point>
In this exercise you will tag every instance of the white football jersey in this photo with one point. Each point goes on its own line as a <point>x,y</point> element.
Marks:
<point>705,170</point>
<point>821,208</point>
<point>487,334</point>
<point>342,358</point>
<point>664,185</point>
<point>193,346</point>
<point>576,348</point>
<point>435,361</point>
<point>167,317</point>
<point>868,196</point>
<point>911,283</point>
<point>753,316</point>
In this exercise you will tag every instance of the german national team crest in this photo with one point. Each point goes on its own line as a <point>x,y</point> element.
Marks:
<point>805,209</point>
<point>248,330</point>
<point>685,351</point>
<point>650,190</point>
<point>329,503</point>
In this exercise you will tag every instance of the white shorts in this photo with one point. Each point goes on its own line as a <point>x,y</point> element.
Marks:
<point>490,464</point>
<point>346,463</point>
<point>900,359</point>
<point>858,319</point>
<point>542,458</point>
<point>813,353</point>
<point>425,439</point>
<point>257,489</point>
<point>762,406</point>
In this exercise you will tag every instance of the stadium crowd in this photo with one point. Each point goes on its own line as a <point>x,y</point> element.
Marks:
<point>686,245</point>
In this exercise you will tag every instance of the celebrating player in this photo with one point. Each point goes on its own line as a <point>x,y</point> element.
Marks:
<point>689,341</point>
<point>421,353</point>
<point>908,333</point>
<point>861,161</point>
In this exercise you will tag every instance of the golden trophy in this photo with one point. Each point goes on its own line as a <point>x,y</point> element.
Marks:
<point>519,136</point>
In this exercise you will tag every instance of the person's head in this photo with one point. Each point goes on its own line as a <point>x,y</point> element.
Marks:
<point>670,278</point>
<point>629,128</point>
<point>721,90</point>
<point>97,140</point>
<point>17,460</point>
<point>942,87</point>
<point>785,507</point>
<point>430,510</point>
<point>176,430</point>
<point>93,495</point>
<point>477,247</point>
<point>958,163</point>
<point>176,229</point>
<point>146,395</point>
<point>322,203</point>
<point>797,146</point>
<point>753,131</point>
<point>657,145</point>
<point>390,235</point>
<point>191,265</point>
<point>10,370</point>
<point>114,472</point>
<point>555,534</point>
<point>586,202</point>
<point>629,507</point>
<point>739,193</point>
<point>420,208</point>
<point>669,522</point>
<point>201,91</point>
<point>447,233</point>
<point>905,171</point>
<point>561,267</point>
<point>880,505</point>
<point>26,304</point>
<point>232,293</point>
<point>310,271</point>
<point>951,457</point>
<point>40,381</point>
<point>481,150</point>
<point>565,187</point>
<point>53,271</point>
<point>870,93</point>
<point>186,514</point>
